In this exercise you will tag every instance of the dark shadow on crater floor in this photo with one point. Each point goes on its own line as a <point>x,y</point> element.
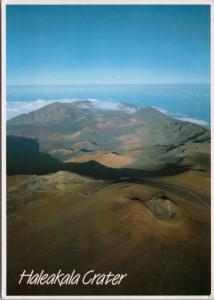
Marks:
<point>23,157</point>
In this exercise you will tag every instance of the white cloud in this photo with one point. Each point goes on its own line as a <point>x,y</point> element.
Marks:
<point>15,108</point>
<point>182,117</point>
<point>192,120</point>
<point>107,105</point>
<point>162,110</point>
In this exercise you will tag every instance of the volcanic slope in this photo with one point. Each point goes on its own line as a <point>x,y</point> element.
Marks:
<point>139,138</point>
<point>126,191</point>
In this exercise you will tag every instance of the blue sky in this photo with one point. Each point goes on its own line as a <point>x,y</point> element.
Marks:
<point>108,44</point>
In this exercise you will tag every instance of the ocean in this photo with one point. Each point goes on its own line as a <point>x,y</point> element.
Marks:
<point>190,102</point>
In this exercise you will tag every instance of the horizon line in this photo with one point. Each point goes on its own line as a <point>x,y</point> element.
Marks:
<point>109,84</point>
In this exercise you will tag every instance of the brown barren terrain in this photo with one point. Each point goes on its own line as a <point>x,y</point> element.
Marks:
<point>112,160</point>
<point>71,222</point>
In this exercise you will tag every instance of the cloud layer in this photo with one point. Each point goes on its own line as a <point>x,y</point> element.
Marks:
<point>183,117</point>
<point>15,108</point>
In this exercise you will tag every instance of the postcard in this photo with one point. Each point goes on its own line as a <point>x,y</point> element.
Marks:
<point>106,126</point>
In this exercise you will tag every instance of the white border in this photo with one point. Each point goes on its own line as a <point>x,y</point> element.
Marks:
<point>3,136</point>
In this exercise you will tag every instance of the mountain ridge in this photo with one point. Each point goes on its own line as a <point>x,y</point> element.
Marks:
<point>147,136</point>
